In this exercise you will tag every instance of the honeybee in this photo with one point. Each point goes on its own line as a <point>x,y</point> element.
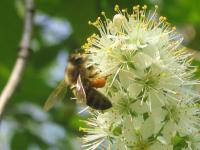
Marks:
<point>82,80</point>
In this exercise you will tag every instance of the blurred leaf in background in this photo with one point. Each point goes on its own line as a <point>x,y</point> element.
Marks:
<point>60,27</point>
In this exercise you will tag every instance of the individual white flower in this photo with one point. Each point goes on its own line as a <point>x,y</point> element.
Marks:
<point>193,141</point>
<point>149,86</point>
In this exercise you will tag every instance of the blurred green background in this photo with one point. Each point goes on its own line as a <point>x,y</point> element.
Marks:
<point>62,26</point>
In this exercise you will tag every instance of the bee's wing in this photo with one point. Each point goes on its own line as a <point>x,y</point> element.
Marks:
<point>57,95</point>
<point>80,91</point>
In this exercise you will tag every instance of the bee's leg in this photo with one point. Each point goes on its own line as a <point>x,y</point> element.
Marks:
<point>83,110</point>
<point>73,88</point>
<point>93,71</point>
<point>73,98</point>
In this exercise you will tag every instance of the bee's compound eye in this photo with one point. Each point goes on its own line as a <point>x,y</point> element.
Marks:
<point>76,59</point>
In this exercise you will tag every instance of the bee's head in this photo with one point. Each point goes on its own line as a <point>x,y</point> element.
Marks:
<point>77,59</point>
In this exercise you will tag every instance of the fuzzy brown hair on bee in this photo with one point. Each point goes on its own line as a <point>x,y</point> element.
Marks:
<point>82,80</point>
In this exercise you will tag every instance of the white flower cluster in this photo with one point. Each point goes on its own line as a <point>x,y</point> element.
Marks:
<point>150,87</point>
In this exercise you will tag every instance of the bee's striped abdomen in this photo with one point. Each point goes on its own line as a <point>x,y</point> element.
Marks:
<point>97,100</point>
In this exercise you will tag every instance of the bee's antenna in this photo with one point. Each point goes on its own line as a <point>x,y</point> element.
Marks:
<point>83,110</point>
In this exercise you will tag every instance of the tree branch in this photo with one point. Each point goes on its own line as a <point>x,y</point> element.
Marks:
<point>22,59</point>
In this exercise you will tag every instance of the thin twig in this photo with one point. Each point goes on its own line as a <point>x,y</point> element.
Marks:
<point>22,59</point>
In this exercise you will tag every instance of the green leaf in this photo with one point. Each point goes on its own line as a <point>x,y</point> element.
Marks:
<point>179,142</point>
